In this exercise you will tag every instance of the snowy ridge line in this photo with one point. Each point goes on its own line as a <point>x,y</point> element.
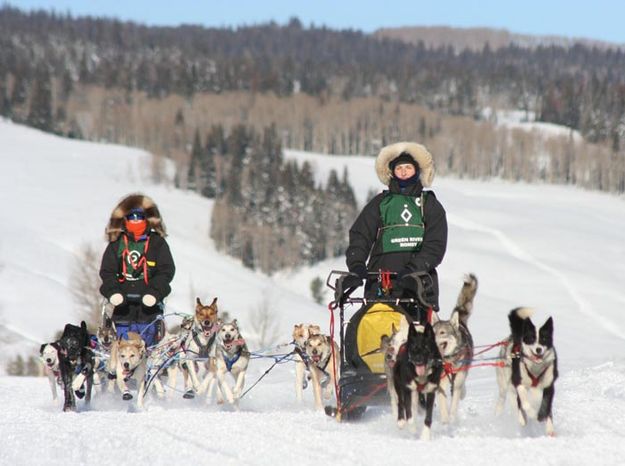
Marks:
<point>17,331</point>
<point>519,253</point>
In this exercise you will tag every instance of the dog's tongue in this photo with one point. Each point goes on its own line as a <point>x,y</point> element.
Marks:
<point>420,370</point>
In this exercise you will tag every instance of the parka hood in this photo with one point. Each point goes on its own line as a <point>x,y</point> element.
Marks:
<point>115,226</point>
<point>418,152</point>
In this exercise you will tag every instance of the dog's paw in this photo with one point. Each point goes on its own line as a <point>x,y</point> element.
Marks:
<point>189,395</point>
<point>426,434</point>
<point>127,396</point>
<point>401,423</point>
<point>69,408</point>
<point>530,412</point>
<point>499,408</point>
<point>549,429</point>
<point>522,418</point>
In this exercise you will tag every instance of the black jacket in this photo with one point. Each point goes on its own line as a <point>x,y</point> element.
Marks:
<point>365,245</point>
<point>161,270</point>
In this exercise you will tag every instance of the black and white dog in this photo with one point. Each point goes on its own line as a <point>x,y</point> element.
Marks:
<point>49,354</point>
<point>417,370</point>
<point>75,357</point>
<point>531,364</point>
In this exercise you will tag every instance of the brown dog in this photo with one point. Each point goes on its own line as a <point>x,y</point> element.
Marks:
<point>200,349</point>
<point>129,361</point>
<point>301,333</point>
<point>323,365</point>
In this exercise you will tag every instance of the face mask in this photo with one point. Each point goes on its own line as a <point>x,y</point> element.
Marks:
<point>136,228</point>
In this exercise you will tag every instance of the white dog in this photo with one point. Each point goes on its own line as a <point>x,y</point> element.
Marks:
<point>232,356</point>
<point>49,353</point>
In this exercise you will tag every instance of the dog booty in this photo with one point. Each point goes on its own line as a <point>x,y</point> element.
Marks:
<point>80,393</point>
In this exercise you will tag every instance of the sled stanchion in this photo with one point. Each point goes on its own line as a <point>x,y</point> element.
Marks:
<point>337,389</point>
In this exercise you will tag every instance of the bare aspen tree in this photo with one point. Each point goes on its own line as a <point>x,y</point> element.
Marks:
<point>263,323</point>
<point>85,284</point>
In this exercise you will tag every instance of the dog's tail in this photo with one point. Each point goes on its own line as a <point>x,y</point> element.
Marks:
<point>464,305</point>
<point>517,318</point>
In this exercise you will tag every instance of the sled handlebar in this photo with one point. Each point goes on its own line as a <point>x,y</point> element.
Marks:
<point>343,273</point>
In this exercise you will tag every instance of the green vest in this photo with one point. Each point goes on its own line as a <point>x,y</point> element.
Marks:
<point>402,223</point>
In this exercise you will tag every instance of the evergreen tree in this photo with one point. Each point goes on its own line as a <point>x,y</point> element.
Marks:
<point>5,103</point>
<point>248,255</point>
<point>316,290</point>
<point>193,177</point>
<point>40,114</point>
<point>16,366</point>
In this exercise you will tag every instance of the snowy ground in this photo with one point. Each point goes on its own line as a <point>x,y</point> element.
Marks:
<point>557,249</point>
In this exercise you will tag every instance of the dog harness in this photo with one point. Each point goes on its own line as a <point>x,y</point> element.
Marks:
<point>139,267</point>
<point>204,348</point>
<point>231,361</point>
<point>535,378</point>
<point>302,354</point>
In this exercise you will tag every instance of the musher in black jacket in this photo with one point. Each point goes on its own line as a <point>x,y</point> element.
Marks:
<point>137,266</point>
<point>402,230</point>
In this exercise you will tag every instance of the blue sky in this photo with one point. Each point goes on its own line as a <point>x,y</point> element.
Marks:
<point>597,19</point>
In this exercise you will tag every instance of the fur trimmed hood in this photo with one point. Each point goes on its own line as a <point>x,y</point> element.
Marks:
<point>134,201</point>
<point>418,152</point>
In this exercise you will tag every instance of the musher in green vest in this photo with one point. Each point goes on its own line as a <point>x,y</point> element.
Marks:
<point>137,267</point>
<point>401,230</point>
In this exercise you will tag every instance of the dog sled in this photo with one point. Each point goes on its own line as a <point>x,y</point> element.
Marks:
<point>363,378</point>
<point>150,328</point>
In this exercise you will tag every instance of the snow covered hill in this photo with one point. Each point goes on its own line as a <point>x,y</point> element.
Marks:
<point>557,249</point>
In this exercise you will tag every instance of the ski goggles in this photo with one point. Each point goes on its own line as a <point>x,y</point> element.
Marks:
<point>135,216</point>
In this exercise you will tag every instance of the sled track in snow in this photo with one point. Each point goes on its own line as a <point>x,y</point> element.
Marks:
<point>519,253</point>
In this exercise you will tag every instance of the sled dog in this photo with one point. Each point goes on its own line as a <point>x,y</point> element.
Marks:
<point>199,349</point>
<point>323,366</point>
<point>168,353</point>
<point>75,358</point>
<point>105,337</point>
<point>232,356</point>
<point>49,354</point>
<point>301,333</point>
<point>531,365</point>
<point>455,344</point>
<point>417,370</point>
<point>389,346</point>
<point>129,362</point>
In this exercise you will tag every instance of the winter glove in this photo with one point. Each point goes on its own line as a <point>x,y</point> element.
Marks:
<point>351,281</point>
<point>360,271</point>
<point>116,299</point>
<point>404,287</point>
<point>148,300</point>
<point>345,285</point>
<point>417,285</point>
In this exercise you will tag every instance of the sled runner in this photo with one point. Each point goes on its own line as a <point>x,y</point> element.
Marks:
<point>363,379</point>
